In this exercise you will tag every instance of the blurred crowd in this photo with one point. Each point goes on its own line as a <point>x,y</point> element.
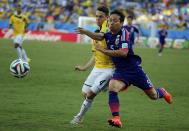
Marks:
<point>146,12</point>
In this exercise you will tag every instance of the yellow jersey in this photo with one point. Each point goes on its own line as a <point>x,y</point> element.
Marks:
<point>19,22</point>
<point>102,60</point>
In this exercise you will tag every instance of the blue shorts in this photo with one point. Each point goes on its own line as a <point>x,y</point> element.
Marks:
<point>136,77</point>
<point>162,42</point>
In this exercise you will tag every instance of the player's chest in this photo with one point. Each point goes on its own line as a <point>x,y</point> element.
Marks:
<point>101,43</point>
<point>163,33</point>
<point>18,20</point>
<point>114,42</point>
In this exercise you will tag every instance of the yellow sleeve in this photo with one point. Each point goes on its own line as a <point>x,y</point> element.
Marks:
<point>26,19</point>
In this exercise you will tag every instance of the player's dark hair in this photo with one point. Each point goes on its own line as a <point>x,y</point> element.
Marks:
<point>120,14</point>
<point>130,17</point>
<point>103,9</point>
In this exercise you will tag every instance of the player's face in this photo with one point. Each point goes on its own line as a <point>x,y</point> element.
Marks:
<point>114,23</point>
<point>19,10</point>
<point>129,21</point>
<point>100,17</point>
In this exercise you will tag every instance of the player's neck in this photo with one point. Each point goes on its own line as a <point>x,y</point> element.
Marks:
<point>115,32</point>
<point>129,24</point>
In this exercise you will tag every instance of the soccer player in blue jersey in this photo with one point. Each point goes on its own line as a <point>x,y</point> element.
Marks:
<point>132,30</point>
<point>162,35</point>
<point>128,70</point>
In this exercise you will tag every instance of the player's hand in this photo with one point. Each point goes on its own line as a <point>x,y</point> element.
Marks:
<point>137,41</point>
<point>80,30</point>
<point>80,68</point>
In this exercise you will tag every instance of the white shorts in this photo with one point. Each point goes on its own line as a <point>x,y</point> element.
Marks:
<point>19,39</point>
<point>97,80</point>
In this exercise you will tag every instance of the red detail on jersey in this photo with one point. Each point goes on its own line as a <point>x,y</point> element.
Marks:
<point>124,49</point>
<point>126,35</point>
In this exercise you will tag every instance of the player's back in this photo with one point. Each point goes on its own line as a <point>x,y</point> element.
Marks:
<point>162,34</point>
<point>19,22</point>
<point>102,60</point>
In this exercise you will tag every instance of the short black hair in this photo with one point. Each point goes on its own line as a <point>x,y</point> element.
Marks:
<point>120,14</point>
<point>130,17</point>
<point>103,9</point>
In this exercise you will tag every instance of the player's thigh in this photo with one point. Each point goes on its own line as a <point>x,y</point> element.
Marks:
<point>142,81</point>
<point>19,40</point>
<point>101,81</point>
<point>116,85</point>
<point>119,81</point>
<point>90,81</point>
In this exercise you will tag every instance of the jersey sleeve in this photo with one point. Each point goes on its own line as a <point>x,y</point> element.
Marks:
<point>125,45</point>
<point>136,30</point>
<point>166,33</point>
<point>159,32</point>
<point>26,20</point>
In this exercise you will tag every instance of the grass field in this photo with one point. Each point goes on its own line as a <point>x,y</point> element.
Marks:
<point>48,98</point>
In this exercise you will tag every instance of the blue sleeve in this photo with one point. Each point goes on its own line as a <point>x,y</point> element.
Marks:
<point>159,32</point>
<point>166,33</point>
<point>136,30</point>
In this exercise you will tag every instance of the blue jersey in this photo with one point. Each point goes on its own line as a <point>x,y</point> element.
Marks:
<point>132,30</point>
<point>162,35</point>
<point>127,69</point>
<point>121,41</point>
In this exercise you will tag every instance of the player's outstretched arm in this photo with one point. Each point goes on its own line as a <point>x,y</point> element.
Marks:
<point>112,53</point>
<point>92,35</point>
<point>138,36</point>
<point>89,64</point>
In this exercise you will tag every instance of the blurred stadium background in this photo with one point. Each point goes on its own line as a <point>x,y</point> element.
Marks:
<point>60,17</point>
<point>49,96</point>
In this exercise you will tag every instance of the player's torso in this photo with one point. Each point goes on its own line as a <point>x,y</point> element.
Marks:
<point>163,34</point>
<point>102,60</point>
<point>18,24</point>
<point>115,42</point>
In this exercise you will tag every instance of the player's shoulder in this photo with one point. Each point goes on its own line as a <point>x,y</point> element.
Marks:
<point>107,34</point>
<point>104,27</point>
<point>134,26</point>
<point>23,16</point>
<point>12,16</point>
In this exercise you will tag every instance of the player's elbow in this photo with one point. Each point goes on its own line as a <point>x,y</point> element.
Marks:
<point>99,36</point>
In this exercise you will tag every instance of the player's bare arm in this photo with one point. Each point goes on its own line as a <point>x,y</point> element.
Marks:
<point>138,36</point>
<point>92,35</point>
<point>89,64</point>
<point>114,53</point>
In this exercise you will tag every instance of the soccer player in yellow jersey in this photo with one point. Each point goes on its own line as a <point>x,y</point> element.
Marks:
<point>103,68</point>
<point>19,23</point>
